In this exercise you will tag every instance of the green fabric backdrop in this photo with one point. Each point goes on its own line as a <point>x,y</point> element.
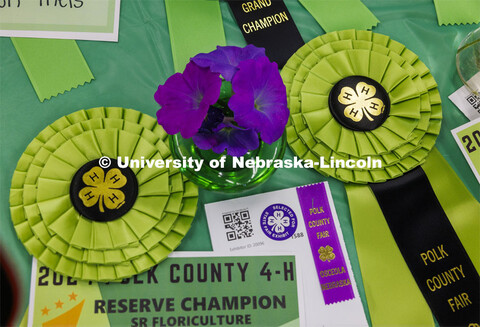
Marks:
<point>127,74</point>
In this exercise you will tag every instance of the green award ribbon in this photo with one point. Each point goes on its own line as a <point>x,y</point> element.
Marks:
<point>374,243</point>
<point>53,66</point>
<point>195,26</point>
<point>401,143</point>
<point>458,12</point>
<point>81,214</point>
<point>355,95</point>
<point>340,14</point>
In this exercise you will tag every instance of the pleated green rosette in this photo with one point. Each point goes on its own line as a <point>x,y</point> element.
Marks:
<point>409,132</point>
<point>61,238</point>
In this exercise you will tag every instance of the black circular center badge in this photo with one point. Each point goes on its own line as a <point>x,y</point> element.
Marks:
<point>359,103</point>
<point>102,191</point>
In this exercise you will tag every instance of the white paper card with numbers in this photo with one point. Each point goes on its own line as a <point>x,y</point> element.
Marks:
<point>301,220</point>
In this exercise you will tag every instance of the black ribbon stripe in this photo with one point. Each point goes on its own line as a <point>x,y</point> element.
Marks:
<point>431,248</point>
<point>268,24</point>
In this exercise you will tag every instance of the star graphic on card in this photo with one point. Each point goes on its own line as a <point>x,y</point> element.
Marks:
<point>45,311</point>
<point>59,304</point>
<point>73,296</point>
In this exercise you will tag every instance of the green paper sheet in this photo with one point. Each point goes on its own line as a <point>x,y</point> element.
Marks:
<point>337,15</point>
<point>53,66</point>
<point>172,296</point>
<point>195,26</point>
<point>458,12</point>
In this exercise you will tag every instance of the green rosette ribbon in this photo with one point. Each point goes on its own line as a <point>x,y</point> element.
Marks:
<point>405,138</point>
<point>59,236</point>
<point>402,141</point>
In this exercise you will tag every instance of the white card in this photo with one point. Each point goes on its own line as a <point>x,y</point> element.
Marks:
<point>466,101</point>
<point>96,20</point>
<point>253,224</point>
<point>467,137</point>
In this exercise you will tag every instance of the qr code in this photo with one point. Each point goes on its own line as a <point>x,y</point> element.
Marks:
<point>474,101</point>
<point>238,225</point>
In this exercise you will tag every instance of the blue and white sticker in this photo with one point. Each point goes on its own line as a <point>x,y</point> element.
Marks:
<point>278,222</point>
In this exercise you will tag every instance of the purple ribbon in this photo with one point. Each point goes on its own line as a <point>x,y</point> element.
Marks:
<point>327,253</point>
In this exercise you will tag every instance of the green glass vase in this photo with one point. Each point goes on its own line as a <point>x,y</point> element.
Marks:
<point>232,177</point>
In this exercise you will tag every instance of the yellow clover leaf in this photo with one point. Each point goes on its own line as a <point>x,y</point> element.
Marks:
<point>361,102</point>
<point>103,189</point>
<point>326,253</point>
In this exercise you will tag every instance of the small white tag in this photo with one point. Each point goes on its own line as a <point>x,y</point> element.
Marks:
<point>466,101</point>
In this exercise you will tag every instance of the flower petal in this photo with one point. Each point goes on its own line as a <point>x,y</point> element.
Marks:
<point>185,99</point>
<point>205,141</point>
<point>214,118</point>
<point>237,141</point>
<point>259,100</point>
<point>224,60</point>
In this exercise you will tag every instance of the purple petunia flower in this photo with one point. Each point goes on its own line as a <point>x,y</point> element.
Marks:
<point>225,60</point>
<point>205,138</point>
<point>237,141</point>
<point>214,118</point>
<point>259,99</point>
<point>185,99</point>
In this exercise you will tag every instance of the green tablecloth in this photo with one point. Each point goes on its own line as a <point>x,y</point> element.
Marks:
<point>128,73</point>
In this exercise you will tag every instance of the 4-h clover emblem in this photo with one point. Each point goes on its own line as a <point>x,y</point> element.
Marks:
<point>103,189</point>
<point>278,221</point>
<point>326,253</point>
<point>359,103</point>
<point>103,194</point>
